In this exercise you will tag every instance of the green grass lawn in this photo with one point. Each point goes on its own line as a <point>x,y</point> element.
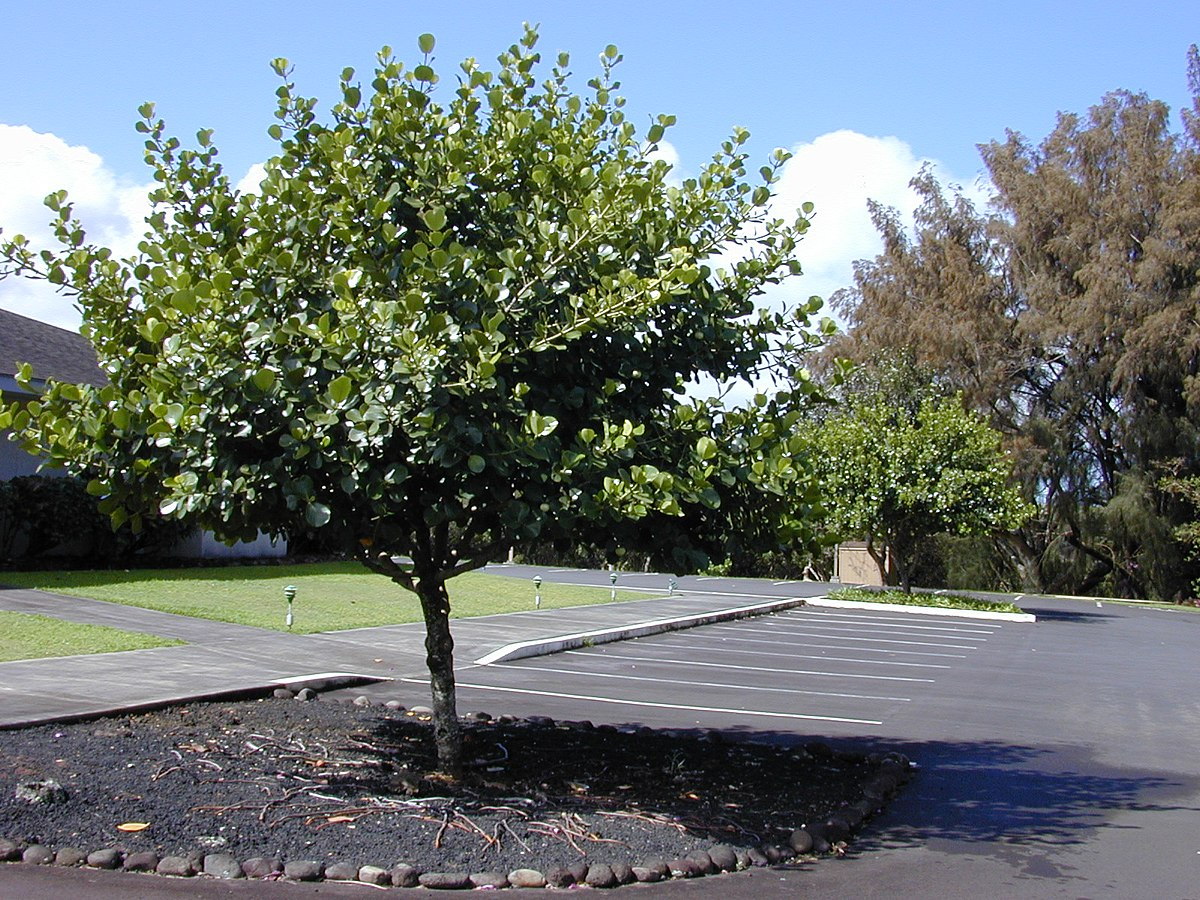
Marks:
<point>330,596</point>
<point>27,636</point>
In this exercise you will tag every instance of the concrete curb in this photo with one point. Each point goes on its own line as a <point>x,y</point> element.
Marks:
<point>320,681</point>
<point>545,646</point>
<point>922,610</point>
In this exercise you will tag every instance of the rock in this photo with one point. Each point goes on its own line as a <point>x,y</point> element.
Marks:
<point>683,868</point>
<point>394,705</point>
<point>657,865</point>
<point>48,791</point>
<point>141,861</point>
<point>836,830</point>
<point>874,792</point>
<point>578,871</point>
<point>703,862</point>
<point>361,700</point>
<point>775,854</point>
<point>445,881</point>
<point>489,880</point>
<point>262,867</point>
<point>10,851</point>
<point>866,807</point>
<point>222,865</point>
<point>37,855</point>
<point>303,869</point>
<point>179,866</point>
<point>624,872</point>
<point>600,875</point>
<point>801,841</point>
<point>724,857</point>
<point>421,711</point>
<point>70,856</point>
<point>404,875</point>
<point>108,858</point>
<point>559,877</point>
<point>757,858</point>
<point>374,875</point>
<point>282,694</point>
<point>478,716</point>
<point>540,721</point>
<point>645,875</point>
<point>820,842</point>
<point>341,871</point>
<point>526,878</point>
<point>851,815</point>
<point>743,858</point>
<point>306,694</point>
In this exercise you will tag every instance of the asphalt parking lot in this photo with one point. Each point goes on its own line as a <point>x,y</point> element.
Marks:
<point>794,671</point>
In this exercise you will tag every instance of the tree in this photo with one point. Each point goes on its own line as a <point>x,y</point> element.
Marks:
<point>436,331</point>
<point>898,475</point>
<point>1068,315</point>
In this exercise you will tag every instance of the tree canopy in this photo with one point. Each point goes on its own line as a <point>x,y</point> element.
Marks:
<point>438,328</point>
<point>898,473</point>
<point>1067,313</point>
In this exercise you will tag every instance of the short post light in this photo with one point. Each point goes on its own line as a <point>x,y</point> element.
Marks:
<point>612,576</point>
<point>537,591</point>
<point>289,594</point>
<point>672,583</point>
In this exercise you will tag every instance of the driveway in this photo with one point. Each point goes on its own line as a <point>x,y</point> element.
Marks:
<point>1057,759</point>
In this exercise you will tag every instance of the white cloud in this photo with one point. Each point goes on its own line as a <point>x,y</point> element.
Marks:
<point>838,173</point>
<point>252,180</point>
<point>112,210</point>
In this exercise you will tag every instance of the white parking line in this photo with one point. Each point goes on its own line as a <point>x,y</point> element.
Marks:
<point>910,626</point>
<point>845,637</point>
<point>977,627</point>
<point>712,665</point>
<point>708,684</point>
<point>865,662</point>
<point>645,704</point>
<point>683,638</point>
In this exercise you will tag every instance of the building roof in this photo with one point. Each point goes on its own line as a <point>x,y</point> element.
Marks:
<point>53,352</point>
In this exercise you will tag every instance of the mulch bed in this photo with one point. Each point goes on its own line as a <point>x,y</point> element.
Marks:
<point>341,787</point>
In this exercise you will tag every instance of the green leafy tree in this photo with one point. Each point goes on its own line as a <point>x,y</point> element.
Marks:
<point>1068,315</point>
<point>438,329</point>
<point>899,475</point>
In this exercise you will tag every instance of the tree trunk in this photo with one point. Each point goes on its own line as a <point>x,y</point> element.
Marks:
<point>439,657</point>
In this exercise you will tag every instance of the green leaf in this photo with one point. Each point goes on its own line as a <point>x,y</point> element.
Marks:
<point>426,42</point>
<point>424,73</point>
<point>264,379</point>
<point>435,218</point>
<point>476,464</point>
<point>339,389</point>
<point>317,515</point>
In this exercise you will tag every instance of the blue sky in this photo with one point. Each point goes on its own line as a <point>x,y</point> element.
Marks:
<point>864,92</point>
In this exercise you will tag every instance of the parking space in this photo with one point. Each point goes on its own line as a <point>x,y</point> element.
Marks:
<point>850,670</point>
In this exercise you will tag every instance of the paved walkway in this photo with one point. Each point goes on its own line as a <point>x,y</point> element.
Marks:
<point>220,659</point>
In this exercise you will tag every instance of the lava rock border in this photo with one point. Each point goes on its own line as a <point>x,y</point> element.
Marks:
<point>829,836</point>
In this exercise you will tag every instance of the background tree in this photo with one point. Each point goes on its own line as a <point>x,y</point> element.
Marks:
<point>898,474</point>
<point>436,331</point>
<point>1068,315</point>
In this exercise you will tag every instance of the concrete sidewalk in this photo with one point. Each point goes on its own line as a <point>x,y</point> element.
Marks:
<point>221,659</point>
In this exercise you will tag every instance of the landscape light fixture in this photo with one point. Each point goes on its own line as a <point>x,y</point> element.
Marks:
<point>289,594</point>
<point>537,591</point>
<point>612,576</point>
